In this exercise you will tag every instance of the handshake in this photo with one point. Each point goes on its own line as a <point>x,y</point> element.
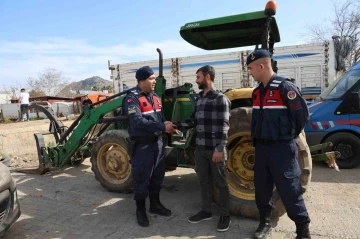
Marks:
<point>171,128</point>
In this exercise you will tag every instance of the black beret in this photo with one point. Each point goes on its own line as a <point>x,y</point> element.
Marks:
<point>257,54</point>
<point>143,73</point>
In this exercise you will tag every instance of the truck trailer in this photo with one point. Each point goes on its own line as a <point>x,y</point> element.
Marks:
<point>311,65</point>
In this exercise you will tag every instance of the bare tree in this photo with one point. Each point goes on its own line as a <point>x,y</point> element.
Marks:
<point>12,89</point>
<point>36,93</point>
<point>344,23</point>
<point>50,81</point>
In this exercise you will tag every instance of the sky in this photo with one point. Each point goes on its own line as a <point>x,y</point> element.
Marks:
<point>78,37</point>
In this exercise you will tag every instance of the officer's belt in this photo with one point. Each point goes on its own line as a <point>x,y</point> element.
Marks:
<point>271,142</point>
<point>145,140</point>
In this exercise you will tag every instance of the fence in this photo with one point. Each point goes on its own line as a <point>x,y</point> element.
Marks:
<point>12,111</point>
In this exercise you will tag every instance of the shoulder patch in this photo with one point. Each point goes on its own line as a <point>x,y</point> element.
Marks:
<point>134,92</point>
<point>274,85</point>
<point>291,95</point>
<point>276,82</point>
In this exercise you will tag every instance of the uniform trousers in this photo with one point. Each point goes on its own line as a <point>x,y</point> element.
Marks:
<point>148,169</point>
<point>276,163</point>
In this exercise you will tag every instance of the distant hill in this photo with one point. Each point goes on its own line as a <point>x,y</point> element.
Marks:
<point>86,84</point>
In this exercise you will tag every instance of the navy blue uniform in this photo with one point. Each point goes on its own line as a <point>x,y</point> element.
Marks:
<point>146,126</point>
<point>279,115</point>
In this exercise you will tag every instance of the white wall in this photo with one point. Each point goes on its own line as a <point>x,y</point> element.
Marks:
<point>4,98</point>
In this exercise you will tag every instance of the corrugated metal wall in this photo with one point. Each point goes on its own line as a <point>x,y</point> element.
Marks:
<point>306,63</point>
<point>127,72</point>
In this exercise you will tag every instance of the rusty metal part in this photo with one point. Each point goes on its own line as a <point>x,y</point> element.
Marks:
<point>38,171</point>
<point>331,161</point>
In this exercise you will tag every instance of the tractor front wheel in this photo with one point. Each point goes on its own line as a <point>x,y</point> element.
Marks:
<point>110,161</point>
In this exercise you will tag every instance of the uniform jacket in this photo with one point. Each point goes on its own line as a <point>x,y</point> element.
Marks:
<point>279,111</point>
<point>145,114</point>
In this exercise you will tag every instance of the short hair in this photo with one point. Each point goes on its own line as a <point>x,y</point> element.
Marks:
<point>207,70</point>
<point>22,89</point>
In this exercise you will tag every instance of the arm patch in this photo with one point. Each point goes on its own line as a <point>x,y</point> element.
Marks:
<point>291,95</point>
<point>131,109</point>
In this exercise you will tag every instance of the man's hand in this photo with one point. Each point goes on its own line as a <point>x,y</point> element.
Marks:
<point>170,127</point>
<point>218,157</point>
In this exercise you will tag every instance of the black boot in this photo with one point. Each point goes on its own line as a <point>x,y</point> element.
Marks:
<point>302,231</point>
<point>264,227</point>
<point>156,207</point>
<point>141,216</point>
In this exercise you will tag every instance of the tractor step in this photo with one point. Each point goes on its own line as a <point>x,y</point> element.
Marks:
<point>186,166</point>
<point>179,144</point>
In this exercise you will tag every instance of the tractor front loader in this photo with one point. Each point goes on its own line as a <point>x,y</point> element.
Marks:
<point>101,133</point>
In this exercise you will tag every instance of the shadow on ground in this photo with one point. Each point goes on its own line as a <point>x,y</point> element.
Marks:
<point>70,203</point>
<point>322,173</point>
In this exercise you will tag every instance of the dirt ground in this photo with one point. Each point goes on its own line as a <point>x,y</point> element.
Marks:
<point>17,141</point>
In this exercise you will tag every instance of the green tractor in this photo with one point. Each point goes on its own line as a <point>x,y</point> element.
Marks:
<point>100,132</point>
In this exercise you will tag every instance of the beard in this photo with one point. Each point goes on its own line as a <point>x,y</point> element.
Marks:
<point>202,85</point>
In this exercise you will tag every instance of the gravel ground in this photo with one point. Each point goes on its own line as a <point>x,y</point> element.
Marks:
<point>70,204</point>
<point>333,198</point>
<point>333,201</point>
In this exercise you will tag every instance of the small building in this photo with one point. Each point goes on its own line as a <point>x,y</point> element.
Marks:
<point>62,106</point>
<point>5,97</point>
<point>93,96</point>
<point>51,99</point>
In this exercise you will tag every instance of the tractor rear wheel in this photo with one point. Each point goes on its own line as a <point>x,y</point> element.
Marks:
<point>110,161</point>
<point>240,163</point>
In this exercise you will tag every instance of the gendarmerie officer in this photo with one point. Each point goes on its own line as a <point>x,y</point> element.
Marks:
<point>144,110</point>
<point>279,115</point>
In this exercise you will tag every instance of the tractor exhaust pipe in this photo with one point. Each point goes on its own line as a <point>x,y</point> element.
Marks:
<point>160,62</point>
<point>267,41</point>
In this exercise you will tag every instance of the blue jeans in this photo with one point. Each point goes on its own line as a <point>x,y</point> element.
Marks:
<point>22,107</point>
